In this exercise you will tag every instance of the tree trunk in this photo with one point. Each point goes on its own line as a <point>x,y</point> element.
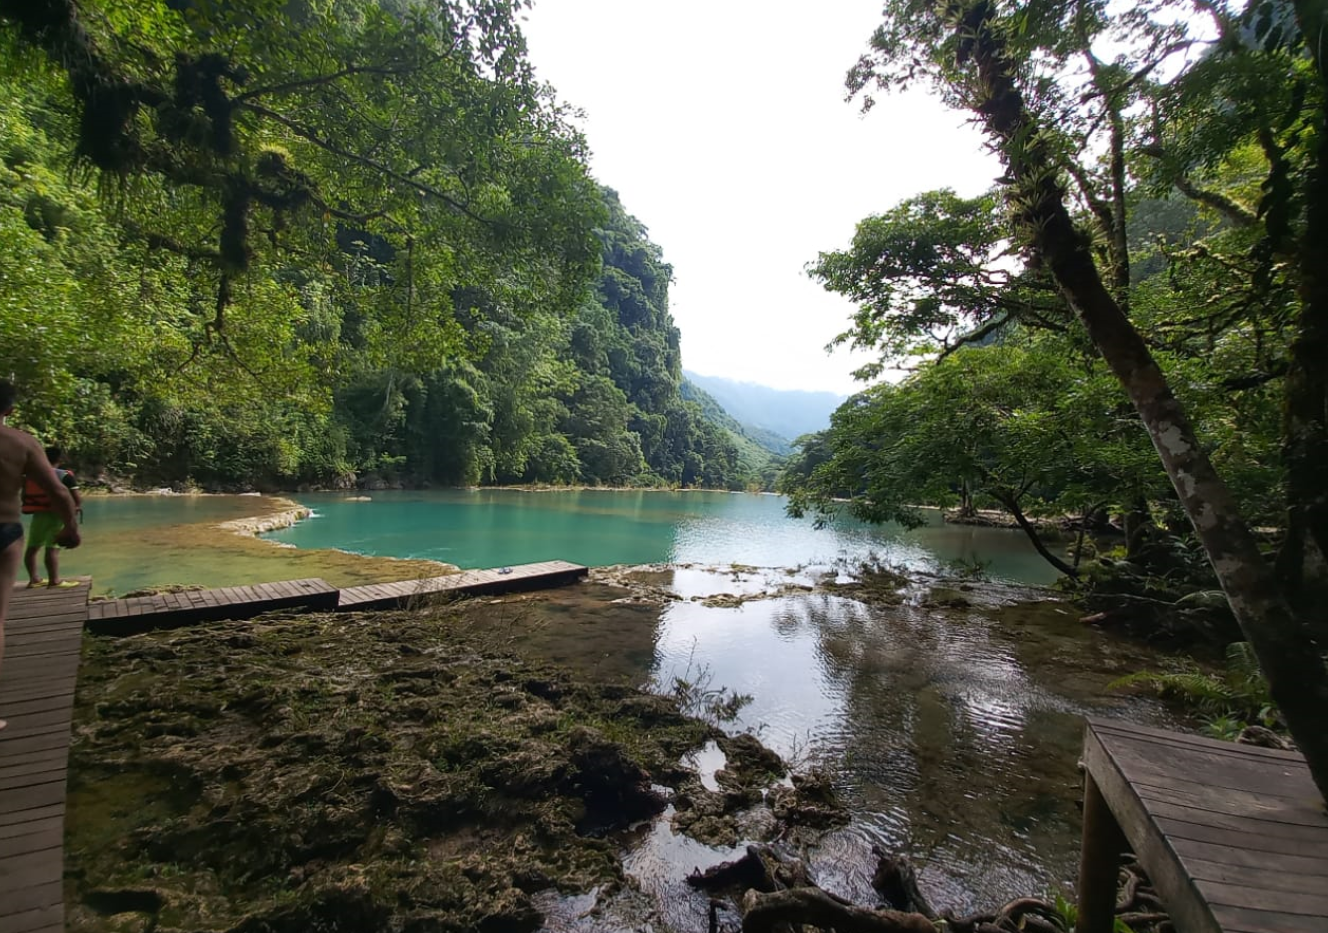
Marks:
<point>1296,673</point>
<point>1011,502</point>
<point>966,508</point>
<point>1135,524</point>
<point>1306,412</point>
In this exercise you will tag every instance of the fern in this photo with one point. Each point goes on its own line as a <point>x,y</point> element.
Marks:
<point>1231,699</point>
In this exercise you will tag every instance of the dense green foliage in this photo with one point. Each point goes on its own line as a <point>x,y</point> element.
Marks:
<point>1193,206</point>
<point>318,240</point>
<point>1229,700</point>
<point>760,453</point>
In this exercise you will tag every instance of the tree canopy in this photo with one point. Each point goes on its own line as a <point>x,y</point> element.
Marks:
<point>267,244</point>
<point>1210,311</point>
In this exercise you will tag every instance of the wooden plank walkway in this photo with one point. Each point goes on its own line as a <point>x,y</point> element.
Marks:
<point>467,583</point>
<point>43,639</point>
<point>171,610</point>
<point>1234,837</point>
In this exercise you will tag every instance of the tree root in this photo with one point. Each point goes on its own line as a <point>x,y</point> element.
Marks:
<point>897,882</point>
<point>778,895</point>
<point>773,911</point>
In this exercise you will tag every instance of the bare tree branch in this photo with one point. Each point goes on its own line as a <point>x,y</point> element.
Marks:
<point>307,133</point>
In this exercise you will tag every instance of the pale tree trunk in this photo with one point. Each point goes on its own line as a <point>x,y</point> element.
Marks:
<point>1296,673</point>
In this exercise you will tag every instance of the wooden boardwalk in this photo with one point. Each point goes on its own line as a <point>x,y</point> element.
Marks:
<point>1234,838</point>
<point>170,610</point>
<point>467,583</point>
<point>40,669</point>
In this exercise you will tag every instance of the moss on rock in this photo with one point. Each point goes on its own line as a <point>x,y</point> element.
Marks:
<point>387,771</point>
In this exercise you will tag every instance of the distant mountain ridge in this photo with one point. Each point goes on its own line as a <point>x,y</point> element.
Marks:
<point>754,444</point>
<point>762,411</point>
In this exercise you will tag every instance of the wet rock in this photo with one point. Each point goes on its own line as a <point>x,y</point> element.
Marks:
<point>749,763</point>
<point>615,789</point>
<point>810,802</point>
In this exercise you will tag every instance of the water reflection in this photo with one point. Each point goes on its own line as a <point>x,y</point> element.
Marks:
<point>953,733</point>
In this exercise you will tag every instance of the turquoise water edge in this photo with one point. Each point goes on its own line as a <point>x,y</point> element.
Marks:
<point>950,726</point>
<point>495,527</point>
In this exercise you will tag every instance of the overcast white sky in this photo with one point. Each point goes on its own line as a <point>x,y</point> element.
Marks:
<point>722,125</point>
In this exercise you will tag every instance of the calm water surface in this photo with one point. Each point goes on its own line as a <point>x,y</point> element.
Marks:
<point>952,733</point>
<point>492,528</point>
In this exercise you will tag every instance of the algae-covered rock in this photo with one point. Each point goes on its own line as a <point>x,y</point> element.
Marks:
<point>371,772</point>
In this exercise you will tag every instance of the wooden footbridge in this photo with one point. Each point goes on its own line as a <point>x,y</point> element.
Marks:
<point>44,634</point>
<point>40,671</point>
<point>1234,838</point>
<point>187,607</point>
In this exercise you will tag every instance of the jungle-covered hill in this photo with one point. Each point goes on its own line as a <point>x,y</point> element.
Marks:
<point>356,240</point>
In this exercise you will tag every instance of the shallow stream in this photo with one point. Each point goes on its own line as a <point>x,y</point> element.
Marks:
<point>951,730</point>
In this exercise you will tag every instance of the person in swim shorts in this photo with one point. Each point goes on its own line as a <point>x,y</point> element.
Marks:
<point>20,456</point>
<point>46,525</point>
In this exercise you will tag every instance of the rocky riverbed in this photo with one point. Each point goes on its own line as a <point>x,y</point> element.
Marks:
<point>384,771</point>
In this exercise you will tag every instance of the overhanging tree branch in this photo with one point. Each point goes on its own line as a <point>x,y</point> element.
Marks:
<point>310,135</point>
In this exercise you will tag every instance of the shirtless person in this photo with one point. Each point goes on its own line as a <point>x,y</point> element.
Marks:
<point>21,455</point>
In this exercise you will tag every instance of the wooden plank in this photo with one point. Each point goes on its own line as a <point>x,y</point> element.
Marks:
<point>37,691</point>
<point>1217,835</point>
<point>22,822</point>
<point>25,764</point>
<point>35,897</point>
<point>44,700</point>
<point>21,746</point>
<point>1223,800</point>
<point>1304,902</point>
<point>43,772</point>
<point>1136,733</point>
<point>1234,839</point>
<point>31,869</point>
<point>1232,775</point>
<point>35,796</point>
<point>1194,852</point>
<point>1187,909</point>
<point>40,920</point>
<point>1247,920</point>
<point>50,824</point>
<point>49,835</point>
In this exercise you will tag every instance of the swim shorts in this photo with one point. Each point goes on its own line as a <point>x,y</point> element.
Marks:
<point>46,527</point>
<point>9,533</point>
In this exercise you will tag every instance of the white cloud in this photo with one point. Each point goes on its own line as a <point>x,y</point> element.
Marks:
<point>723,126</point>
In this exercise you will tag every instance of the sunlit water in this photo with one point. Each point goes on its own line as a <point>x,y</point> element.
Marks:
<point>952,732</point>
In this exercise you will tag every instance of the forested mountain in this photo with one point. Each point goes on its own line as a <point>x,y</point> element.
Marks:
<point>366,247</point>
<point>772,417</point>
<point>759,452</point>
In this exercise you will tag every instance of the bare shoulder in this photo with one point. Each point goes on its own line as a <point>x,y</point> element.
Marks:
<point>13,441</point>
<point>17,439</point>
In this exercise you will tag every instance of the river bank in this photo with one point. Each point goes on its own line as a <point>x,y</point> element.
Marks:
<point>144,542</point>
